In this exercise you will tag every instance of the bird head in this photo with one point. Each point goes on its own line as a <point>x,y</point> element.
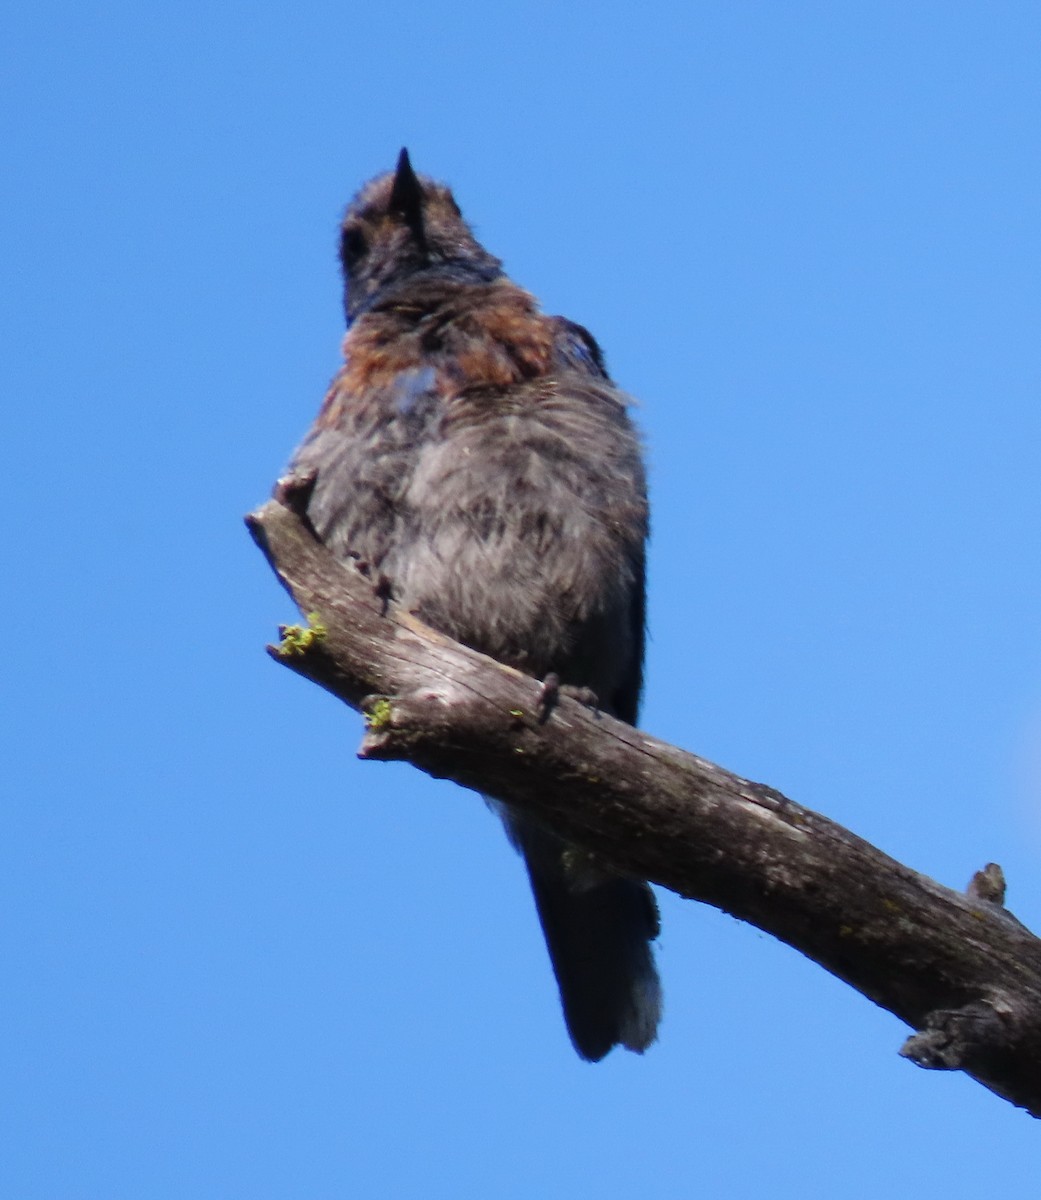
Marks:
<point>401,225</point>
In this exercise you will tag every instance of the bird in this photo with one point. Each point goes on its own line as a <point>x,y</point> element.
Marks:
<point>474,455</point>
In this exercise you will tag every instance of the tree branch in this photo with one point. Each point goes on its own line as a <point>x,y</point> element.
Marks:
<point>957,968</point>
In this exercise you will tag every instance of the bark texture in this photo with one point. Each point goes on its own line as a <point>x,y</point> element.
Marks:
<point>958,968</point>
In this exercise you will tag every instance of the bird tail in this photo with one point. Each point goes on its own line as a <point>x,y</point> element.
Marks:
<point>598,928</point>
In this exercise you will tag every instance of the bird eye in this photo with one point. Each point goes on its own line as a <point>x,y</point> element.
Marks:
<point>353,246</point>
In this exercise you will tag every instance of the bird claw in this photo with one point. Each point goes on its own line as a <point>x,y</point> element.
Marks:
<point>551,689</point>
<point>294,490</point>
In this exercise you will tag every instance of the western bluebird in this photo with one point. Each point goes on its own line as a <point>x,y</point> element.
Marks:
<point>475,454</point>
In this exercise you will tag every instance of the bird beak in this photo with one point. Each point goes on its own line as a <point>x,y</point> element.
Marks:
<point>406,196</point>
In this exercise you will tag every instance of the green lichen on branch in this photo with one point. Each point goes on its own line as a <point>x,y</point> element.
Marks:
<point>297,640</point>
<point>378,713</point>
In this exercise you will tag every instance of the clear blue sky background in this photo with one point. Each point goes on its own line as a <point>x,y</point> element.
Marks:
<point>239,963</point>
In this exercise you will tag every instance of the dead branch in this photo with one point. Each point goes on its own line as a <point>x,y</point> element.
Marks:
<point>957,968</point>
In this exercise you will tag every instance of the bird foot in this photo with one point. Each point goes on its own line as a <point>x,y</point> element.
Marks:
<point>550,691</point>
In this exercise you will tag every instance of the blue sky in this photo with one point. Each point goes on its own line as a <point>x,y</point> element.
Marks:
<point>239,963</point>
